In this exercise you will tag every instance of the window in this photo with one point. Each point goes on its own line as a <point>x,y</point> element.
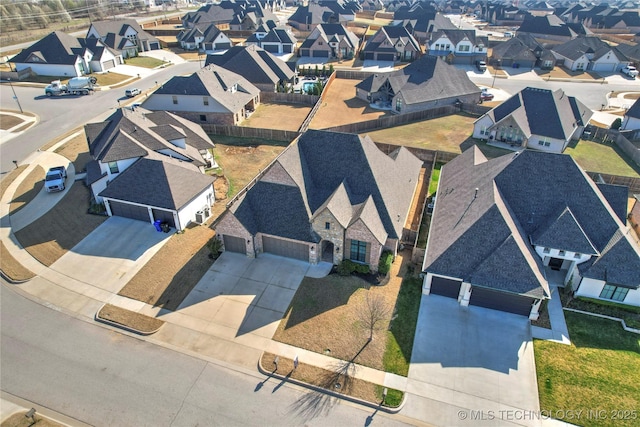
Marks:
<point>203,118</point>
<point>546,250</point>
<point>562,253</point>
<point>358,251</point>
<point>614,293</point>
<point>398,104</point>
<point>175,99</point>
<point>484,130</point>
<point>464,48</point>
<point>113,167</point>
<point>205,100</point>
<point>327,226</point>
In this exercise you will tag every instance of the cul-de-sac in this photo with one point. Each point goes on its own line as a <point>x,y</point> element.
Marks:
<point>320,213</point>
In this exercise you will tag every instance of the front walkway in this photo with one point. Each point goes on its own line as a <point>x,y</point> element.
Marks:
<point>559,332</point>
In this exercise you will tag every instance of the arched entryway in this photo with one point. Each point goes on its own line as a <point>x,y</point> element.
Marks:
<point>327,251</point>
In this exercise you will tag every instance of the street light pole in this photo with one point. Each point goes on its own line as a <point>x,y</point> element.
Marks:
<point>495,72</point>
<point>15,96</point>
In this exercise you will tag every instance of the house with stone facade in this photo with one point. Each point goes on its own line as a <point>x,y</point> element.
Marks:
<point>211,95</point>
<point>327,197</point>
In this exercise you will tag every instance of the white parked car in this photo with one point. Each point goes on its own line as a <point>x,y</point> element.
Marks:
<point>630,71</point>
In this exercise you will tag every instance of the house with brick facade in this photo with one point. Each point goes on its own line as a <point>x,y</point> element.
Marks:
<point>328,197</point>
<point>210,95</point>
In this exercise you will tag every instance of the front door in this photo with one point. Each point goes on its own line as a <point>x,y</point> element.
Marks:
<point>555,263</point>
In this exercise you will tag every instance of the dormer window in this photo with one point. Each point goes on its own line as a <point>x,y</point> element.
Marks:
<point>113,167</point>
<point>562,253</point>
<point>546,250</point>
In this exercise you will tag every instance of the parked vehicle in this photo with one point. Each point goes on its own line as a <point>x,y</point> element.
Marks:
<point>481,66</point>
<point>486,96</point>
<point>75,86</point>
<point>55,178</point>
<point>630,71</point>
<point>132,92</point>
<point>587,132</point>
<point>508,34</point>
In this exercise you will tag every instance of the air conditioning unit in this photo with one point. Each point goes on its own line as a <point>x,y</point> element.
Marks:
<point>200,217</point>
<point>207,212</point>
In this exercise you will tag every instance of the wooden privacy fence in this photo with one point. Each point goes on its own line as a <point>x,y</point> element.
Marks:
<point>629,181</point>
<point>248,132</point>
<point>289,98</point>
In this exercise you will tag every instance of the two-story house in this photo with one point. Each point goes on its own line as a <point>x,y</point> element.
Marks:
<point>207,38</point>
<point>276,40</point>
<point>330,41</point>
<point>125,36</point>
<point>458,46</point>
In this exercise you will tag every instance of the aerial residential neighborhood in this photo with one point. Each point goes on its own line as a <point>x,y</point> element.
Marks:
<point>328,212</point>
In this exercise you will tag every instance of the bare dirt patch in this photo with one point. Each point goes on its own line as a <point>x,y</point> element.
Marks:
<point>77,151</point>
<point>27,190</point>
<point>131,319</point>
<point>278,116</point>
<point>20,420</point>
<point>7,121</point>
<point>64,226</point>
<point>563,73</point>
<point>11,267</point>
<point>340,106</point>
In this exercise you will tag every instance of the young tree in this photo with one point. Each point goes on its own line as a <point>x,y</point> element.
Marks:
<point>373,312</point>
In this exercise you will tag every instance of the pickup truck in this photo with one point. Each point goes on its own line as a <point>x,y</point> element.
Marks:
<point>630,71</point>
<point>54,180</point>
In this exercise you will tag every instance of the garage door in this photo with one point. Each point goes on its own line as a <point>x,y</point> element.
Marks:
<point>385,56</point>
<point>286,48</point>
<point>221,46</point>
<point>285,248</point>
<point>154,46</point>
<point>503,301</point>
<point>445,287</point>
<point>108,64</point>
<point>605,67</point>
<point>234,244</point>
<point>305,52</point>
<point>368,55</point>
<point>164,216</point>
<point>320,53</point>
<point>273,48</point>
<point>126,210</point>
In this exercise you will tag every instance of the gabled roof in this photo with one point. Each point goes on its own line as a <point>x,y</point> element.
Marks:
<point>543,112</point>
<point>113,32</point>
<point>392,35</point>
<point>617,196</point>
<point>337,32</point>
<point>548,24</point>
<point>429,78</point>
<point>157,183</point>
<point>456,36</point>
<point>483,205</point>
<point>634,111</point>
<point>632,52</point>
<point>344,173</point>
<point>229,89</point>
<point>574,49</point>
<point>208,32</point>
<point>253,63</point>
<point>514,48</point>
<point>562,231</point>
<point>618,265</point>
<point>55,48</point>
<point>279,35</point>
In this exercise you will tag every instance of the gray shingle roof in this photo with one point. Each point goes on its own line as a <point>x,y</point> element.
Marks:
<point>469,225</point>
<point>253,63</point>
<point>634,111</point>
<point>427,79</point>
<point>157,183</point>
<point>619,263</point>
<point>337,171</point>
<point>617,196</point>
<point>393,35</point>
<point>547,24</point>
<point>574,49</point>
<point>456,36</point>
<point>563,232</point>
<point>216,82</point>
<point>114,32</point>
<point>55,48</point>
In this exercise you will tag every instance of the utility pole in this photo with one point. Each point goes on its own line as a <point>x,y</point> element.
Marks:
<point>15,96</point>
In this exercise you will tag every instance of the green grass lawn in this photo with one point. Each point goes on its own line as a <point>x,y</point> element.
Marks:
<point>144,61</point>
<point>594,157</point>
<point>599,372</point>
<point>435,177</point>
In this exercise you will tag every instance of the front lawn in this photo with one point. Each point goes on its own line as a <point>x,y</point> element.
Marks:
<point>144,61</point>
<point>604,158</point>
<point>598,373</point>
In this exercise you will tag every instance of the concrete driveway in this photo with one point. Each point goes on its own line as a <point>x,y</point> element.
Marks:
<point>112,254</point>
<point>241,296</point>
<point>471,366</point>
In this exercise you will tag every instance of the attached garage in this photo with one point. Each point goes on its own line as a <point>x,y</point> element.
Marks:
<point>445,287</point>
<point>386,56</point>
<point>305,52</point>
<point>503,301</point>
<point>368,55</point>
<point>287,48</point>
<point>154,46</point>
<point>108,64</point>
<point>141,213</point>
<point>285,248</point>
<point>234,244</point>
<point>273,48</point>
<point>608,66</point>
<point>320,54</point>
<point>222,46</point>
<point>164,216</point>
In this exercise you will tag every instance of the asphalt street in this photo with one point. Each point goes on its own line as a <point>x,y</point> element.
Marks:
<point>105,378</point>
<point>59,115</point>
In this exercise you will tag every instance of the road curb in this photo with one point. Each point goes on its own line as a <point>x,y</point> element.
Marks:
<point>97,318</point>
<point>352,399</point>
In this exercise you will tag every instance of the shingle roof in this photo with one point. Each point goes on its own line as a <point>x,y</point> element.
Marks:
<point>456,36</point>
<point>345,173</point>
<point>482,204</point>
<point>632,52</point>
<point>114,32</point>
<point>617,196</point>
<point>216,82</point>
<point>429,78</point>
<point>253,63</point>
<point>543,112</point>
<point>563,232</point>
<point>547,24</point>
<point>574,49</point>
<point>515,49</point>
<point>392,35</point>
<point>157,183</point>
<point>55,48</point>
<point>619,263</point>
<point>337,31</point>
<point>634,110</point>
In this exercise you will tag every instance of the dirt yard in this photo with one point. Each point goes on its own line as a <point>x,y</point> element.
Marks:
<point>340,106</point>
<point>278,116</point>
<point>8,121</point>
<point>77,151</point>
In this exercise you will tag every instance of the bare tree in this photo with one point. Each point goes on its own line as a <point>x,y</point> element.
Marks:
<point>374,311</point>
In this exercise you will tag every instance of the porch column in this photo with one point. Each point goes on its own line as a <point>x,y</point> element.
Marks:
<point>570,271</point>
<point>465,294</point>
<point>534,314</point>
<point>426,284</point>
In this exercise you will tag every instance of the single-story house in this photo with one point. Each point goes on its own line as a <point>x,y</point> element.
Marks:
<point>309,16</point>
<point>210,95</point>
<point>426,83</point>
<point>551,27</point>
<point>499,238</point>
<point>330,41</point>
<point>392,43</point>
<point>276,40</point>
<point>264,70</point>
<point>522,51</point>
<point>534,118</point>
<point>327,197</point>
<point>57,54</point>
<point>590,53</point>
<point>207,38</point>
<point>631,120</point>
<point>150,166</point>
<point>125,36</point>
<point>458,46</point>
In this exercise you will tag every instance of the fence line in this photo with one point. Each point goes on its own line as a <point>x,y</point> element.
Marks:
<point>307,121</point>
<point>249,132</point>
<point>289,98</point>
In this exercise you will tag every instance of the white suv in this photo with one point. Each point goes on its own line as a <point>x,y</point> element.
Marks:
<point>130,93</point>
<point>630,71</point>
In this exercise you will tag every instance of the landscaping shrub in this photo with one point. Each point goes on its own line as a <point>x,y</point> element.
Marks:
<point>616,123</point>
<point>362,268</point>
<point>386,259</point>
<point>346,267</point>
